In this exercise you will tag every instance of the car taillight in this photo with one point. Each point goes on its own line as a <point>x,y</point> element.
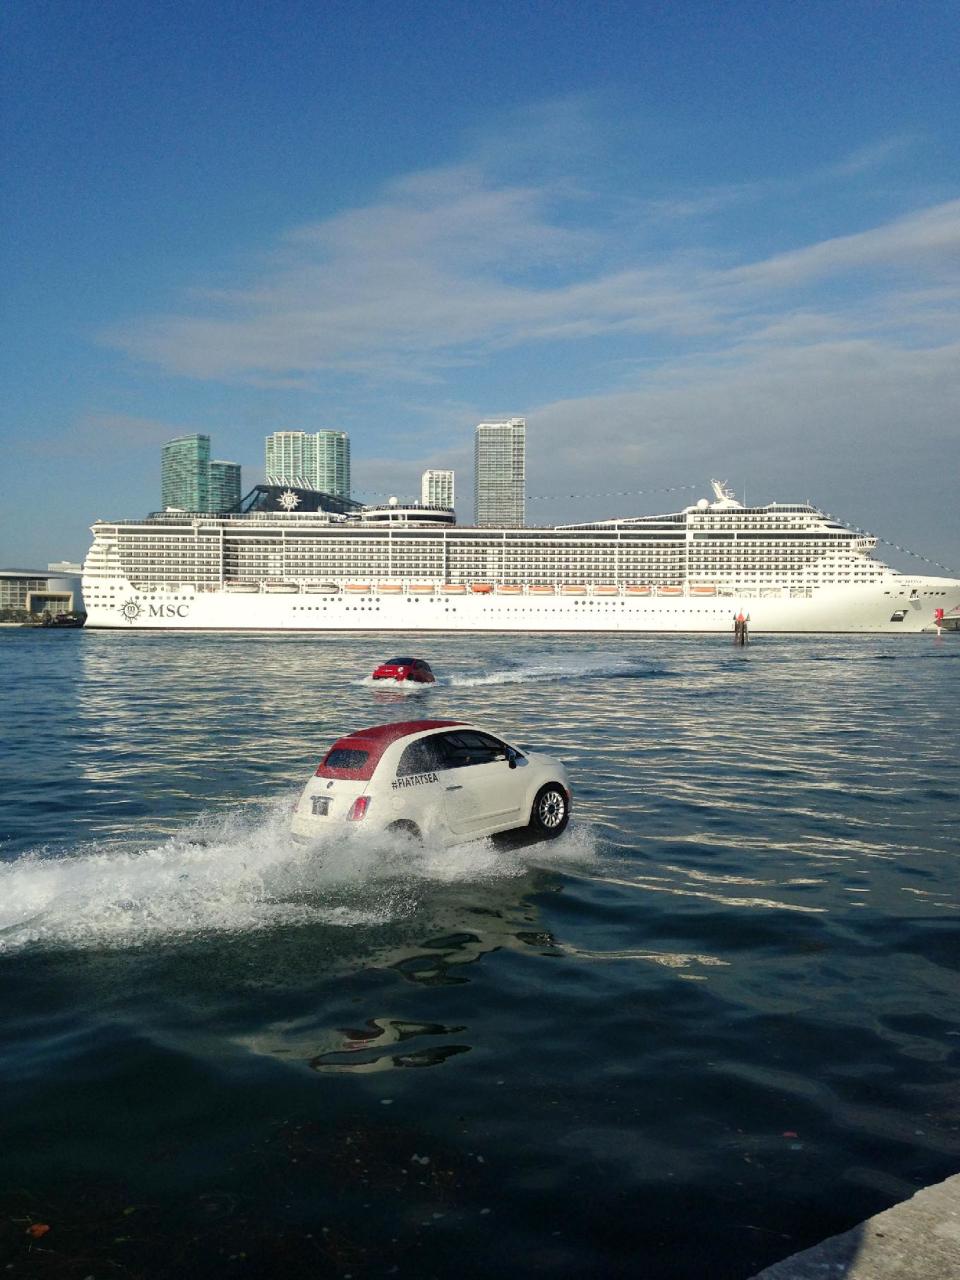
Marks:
<point>358,809</point>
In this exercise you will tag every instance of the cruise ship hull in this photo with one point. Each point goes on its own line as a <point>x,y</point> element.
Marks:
<point>898,605</point>
<point>785,567</point>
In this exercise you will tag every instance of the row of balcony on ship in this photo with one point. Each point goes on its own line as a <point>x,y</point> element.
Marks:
<point>287,587</point>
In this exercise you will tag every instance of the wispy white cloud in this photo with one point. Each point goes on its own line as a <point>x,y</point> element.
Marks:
<point>926,239</point>
<point>874,156</point>
<point>449,267</point>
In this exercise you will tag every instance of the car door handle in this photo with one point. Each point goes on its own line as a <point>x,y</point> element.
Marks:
<point>456,788</point>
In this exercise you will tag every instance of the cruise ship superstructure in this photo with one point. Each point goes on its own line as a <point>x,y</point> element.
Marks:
<point>786,567</point>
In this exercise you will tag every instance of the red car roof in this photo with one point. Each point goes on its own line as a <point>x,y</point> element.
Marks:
<point>375,742</point>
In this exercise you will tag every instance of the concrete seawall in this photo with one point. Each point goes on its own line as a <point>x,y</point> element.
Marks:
<point>916,1240</point>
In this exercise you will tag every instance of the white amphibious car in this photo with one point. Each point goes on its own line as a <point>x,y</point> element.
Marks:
<point>438,779</point>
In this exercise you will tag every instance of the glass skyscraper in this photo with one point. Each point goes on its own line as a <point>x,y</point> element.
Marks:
<point>224,486</point>
<point>191,481</point>
<point>500,473</point>
<point>185,473</point>
<point>320,460</point>
<point>333,463</point>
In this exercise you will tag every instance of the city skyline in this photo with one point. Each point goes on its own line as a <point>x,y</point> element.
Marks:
<point>683,242</point>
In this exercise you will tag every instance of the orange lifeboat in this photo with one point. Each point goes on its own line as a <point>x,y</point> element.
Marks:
<point>481,588</point>
<point>423,588</point>
<point>541,589</point>
<point>453,588</point>
<point>606,591</point>
<point>390,588</point>
<point>640,590</point>
<point>670,589</point>
<point>509,589</point>
<point>357,588</point>
<point>704,589</point>
<point>573,590</point>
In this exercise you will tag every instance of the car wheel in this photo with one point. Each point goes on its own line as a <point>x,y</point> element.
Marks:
<point>407,829</point>
<point>551,810</point>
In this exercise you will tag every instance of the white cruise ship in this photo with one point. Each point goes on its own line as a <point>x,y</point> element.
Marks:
<point>786,567</point>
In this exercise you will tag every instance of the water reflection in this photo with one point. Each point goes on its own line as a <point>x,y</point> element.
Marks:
<point>437,948</point>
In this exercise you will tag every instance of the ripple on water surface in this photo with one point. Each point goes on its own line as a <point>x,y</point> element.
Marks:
<point>715,1021</point>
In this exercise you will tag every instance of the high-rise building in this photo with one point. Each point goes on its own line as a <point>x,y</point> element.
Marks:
<point>224,486</point>
<point>500,472</point>
<point>333,463</point>
<point>185,473</point>
<point>436,488</point>
<point>310,461</point>
<point>191,481</point>
<point>291,458</point>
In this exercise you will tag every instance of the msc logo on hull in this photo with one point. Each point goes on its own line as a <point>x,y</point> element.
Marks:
<point>133,610</point>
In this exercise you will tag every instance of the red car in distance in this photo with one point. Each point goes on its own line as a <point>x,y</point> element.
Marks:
<point>413,669</point>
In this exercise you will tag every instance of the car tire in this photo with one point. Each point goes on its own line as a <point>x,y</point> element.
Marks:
<point>407,829</point>
<point>551,811</point>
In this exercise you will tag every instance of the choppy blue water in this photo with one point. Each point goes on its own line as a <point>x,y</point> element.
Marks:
<point>715,1022</point>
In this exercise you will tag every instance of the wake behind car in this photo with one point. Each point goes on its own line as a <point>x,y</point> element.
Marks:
<point>414,670</point>
<point>442,780</point>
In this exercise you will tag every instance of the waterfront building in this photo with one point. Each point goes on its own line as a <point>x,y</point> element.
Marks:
<point>224,486</point>
<point>317,460</point>
<point>436,488</point>
<point>500,473</point>
<point>26,593</point>
<point>185,473</point>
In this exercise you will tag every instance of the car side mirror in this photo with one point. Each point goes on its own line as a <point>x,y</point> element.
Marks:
<point>512,759</point>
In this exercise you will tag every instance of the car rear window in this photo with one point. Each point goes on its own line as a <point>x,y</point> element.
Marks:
<point>346,758</point>
<point>357,755</point>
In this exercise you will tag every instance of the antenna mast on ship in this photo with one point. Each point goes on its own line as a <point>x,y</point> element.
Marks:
<point>725,497</point>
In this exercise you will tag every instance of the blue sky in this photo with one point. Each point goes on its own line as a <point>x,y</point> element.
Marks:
<point>684,239</point>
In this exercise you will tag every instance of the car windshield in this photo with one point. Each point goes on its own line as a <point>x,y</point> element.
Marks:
<point>399,662</point>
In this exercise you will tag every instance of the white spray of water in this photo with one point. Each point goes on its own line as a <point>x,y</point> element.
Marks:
<point>399,688</point>
<point>547,667</point>
<point>556,667</point>
<point>235,873</point>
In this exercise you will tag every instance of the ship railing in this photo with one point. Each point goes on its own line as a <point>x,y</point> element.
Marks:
<point>701,589</point>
